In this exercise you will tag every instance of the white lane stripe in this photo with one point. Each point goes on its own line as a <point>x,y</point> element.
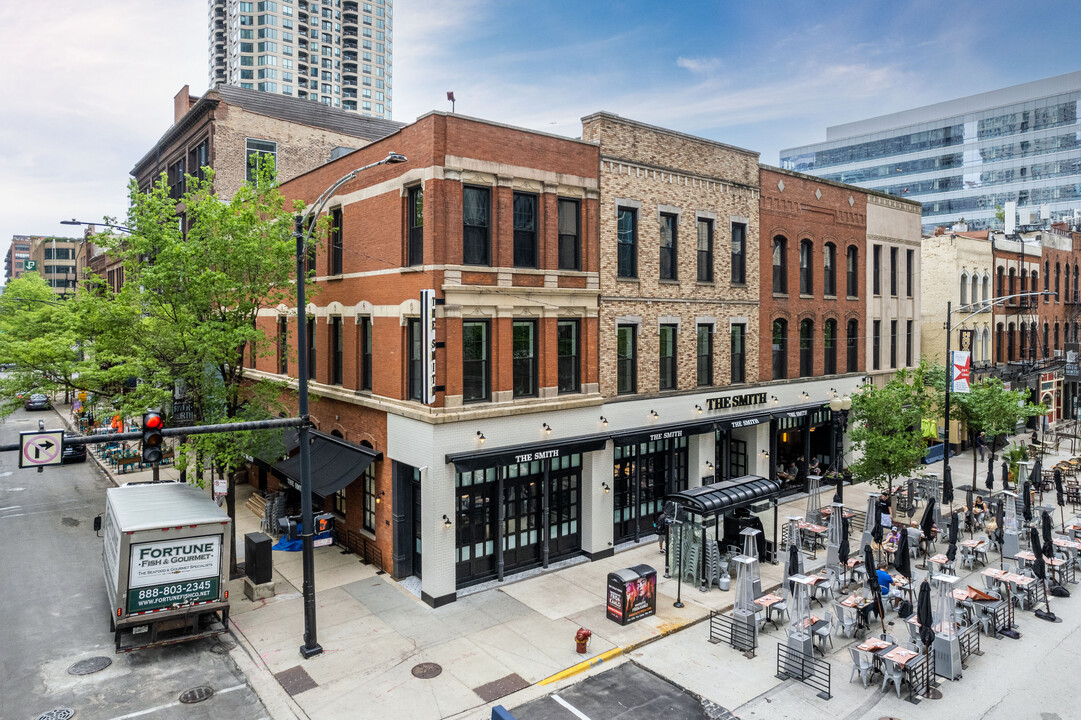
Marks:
<point>176,704</point>
<point>577,713</point>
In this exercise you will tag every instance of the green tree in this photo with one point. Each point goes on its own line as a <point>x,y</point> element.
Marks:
<point>885,428</point>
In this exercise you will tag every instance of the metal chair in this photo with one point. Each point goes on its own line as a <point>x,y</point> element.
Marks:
<point>825,633</point>
<point>892,672</point>
<point>846,624</point>
<point>861,665</point>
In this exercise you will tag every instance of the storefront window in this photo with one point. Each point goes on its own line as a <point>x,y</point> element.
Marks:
<point>642,475</point>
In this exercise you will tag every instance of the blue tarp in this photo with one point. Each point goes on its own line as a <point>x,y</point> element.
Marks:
<point>287,545</point>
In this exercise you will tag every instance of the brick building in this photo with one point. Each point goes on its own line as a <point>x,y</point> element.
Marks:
<point>493,475</point>
<point>17,255</point>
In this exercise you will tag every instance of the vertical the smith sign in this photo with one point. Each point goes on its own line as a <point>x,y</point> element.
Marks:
<point>427,344</point>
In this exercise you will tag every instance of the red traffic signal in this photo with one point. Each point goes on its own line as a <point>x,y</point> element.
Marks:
<point>153,422</point>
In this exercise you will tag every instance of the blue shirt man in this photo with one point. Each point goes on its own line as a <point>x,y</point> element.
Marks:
<point>884,581</point>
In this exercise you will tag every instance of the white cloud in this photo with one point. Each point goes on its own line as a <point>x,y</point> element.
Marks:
<point>699,65</point>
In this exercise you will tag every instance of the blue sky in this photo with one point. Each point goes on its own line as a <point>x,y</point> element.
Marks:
<point>99,77</point>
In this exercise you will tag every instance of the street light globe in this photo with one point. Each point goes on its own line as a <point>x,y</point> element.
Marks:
<point>846,403</point>
<point>835,404</point>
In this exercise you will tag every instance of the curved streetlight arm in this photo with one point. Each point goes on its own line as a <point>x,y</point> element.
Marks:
<point>314,211</point>
<point>73,221</point>
<point>988,304</point>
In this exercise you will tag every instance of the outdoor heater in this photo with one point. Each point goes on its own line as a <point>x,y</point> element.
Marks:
<point>833,542</point>
<point>750,549</point>
<point>869,520</point>
<point>1010,543</point>
<point>814,502</point>
<point>743,613</point>
<point>800,634</point>
<point>947,645</point>
<point>793,539</point>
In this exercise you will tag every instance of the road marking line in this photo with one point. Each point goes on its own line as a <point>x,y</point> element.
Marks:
<point>577,713</point>
<point>176,703</point>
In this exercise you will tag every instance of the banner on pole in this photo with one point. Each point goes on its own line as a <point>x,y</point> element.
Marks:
<point>961,365</point>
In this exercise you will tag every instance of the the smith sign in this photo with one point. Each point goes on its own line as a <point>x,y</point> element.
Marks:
<point>735,401</point>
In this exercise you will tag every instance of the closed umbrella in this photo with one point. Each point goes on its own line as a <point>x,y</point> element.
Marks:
<point>876,529</point>
<point>969,512</point>
<point>1005,475</point>
<point>903,562</point>
<point>1048,548</point>
<point>840,488</point>
<point>872,584</point>
<point>1026,501</point>
<point>927,524</point>
<point>1000,521</point>
<point>843,551</point>
<point>1060,500</point>
<point>925,617</point>
<point>990,482</point>
<point>951,550</point>
<point>911,499</point>
<point>947,488</point>
<point>792,567</point>
<point>1039,569</point>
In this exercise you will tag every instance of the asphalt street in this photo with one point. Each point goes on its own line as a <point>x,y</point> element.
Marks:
<point>55,611</point>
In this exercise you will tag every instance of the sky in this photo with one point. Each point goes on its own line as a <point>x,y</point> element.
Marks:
<point>90,85</point>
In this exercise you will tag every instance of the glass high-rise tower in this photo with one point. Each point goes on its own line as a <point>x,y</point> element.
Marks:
<point>966,158</point>
<point>337,52</point>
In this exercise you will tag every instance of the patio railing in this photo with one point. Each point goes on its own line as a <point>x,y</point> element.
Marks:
<point>724,629</point>
<point>808,669</point>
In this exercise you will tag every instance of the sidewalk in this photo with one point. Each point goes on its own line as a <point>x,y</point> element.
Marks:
<point>495,646</point>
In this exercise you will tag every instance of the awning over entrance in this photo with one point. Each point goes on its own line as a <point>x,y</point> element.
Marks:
<point>711,500</point>
<point>335,463</point>
<point>744,420</point>
<point>511,454</point>
<point>664,432</point>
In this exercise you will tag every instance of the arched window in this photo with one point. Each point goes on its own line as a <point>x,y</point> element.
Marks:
<point>806,348</point>
<point>1066,295</point>
<point>806,269</point>
<point>998,343</point>
<point>852,349</point>
<point>986,287</point>
<point>1010,331</point>
<point>975,346</point>
<point>829,343</point>
<point>1032,334</point>
<point>1076,268</point>
<point>1024,280</point>
<point>987,345</point>
<point>780,349</point>
<point>829,269</point>
<point>1056,336</point>
<point>1035,286</point>
<point>780,265</point>
<point>1046,345</point>
<point>852,280</point>
<point>964,288</point>
<point>1011,288</point>
<point>1001,281</point>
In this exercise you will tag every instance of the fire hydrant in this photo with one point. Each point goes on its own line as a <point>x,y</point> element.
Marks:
<point>581,638</point>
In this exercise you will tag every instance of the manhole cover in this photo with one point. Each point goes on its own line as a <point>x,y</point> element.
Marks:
<point>427,671</point>
<point>90,665</point>
<point>58,714</point>
<point>196,695</point>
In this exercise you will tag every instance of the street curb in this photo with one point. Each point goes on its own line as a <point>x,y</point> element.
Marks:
<point>278,703</point>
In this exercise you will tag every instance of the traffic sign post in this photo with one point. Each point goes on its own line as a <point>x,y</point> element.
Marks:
<point>39,448</point>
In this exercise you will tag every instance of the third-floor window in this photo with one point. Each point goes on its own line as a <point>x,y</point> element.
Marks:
<point>806,271</point>
<point>627,243</point>
<point>739,253</point>
<point>525,230</point>
<point>416,226</point>
<point>668,247</point>
<point>569,235</point>
<point>829,269</point>
<point>337,248</point>
<point>780,265</point>
<point>476,221</point>
<point>705,250</point>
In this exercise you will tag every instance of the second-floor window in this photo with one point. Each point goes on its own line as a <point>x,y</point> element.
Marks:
<point>893,272</point>
<point>525,230</point>
<point>366,353</point>
<point>739,253</point>
<point>829,269</point>
<point>668,247</point>
<point>739,353</point>
<point>569,235</point>
<point>337,248</point>
<point>416,226</point>
<point>336,350</point>
<point>876,270</point>
<point>568,351</point>
<point>667,373</point>
<point>476,214</point>
<point>852,339</point>
<point>476,364</point>
<point>780,265</point>
<point>806,268</point>
<point>829,346</point>
<point>876,342</point>
<point>626,359</point>
<point>851,265</point>
<point>910,274</point>
<point>705,354</point>
<point>806,348</point>
<point>524,361</point>
<point>705,250</point>
<point>627,243</point>
<point>415,375</point>
<point>780,349</point>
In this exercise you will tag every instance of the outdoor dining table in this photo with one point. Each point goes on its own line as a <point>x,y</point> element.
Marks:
<point>815,624</point>
<point>816,532</point>
<point>826,512</point>
<point>766,602</point>
<point>882,652</point>
<point>857,603</point>
<point>978,549</point>
<point>1055,564</point>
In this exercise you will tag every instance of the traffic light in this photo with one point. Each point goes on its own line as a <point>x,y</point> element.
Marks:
<point>287,526</point>
<point>324,523</point>
<point>153,422</point>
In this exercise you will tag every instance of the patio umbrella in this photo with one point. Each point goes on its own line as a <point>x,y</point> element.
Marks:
<point>951,550</point>
<point>925,617</point>
<point>876,529</point>
<point>1039,569</point>
<point>903,562</point>
<point>793,566</point>
<point>840,488</point>
<point>969,512</point>
<point>1048,547</point>
<point>947,488</point>
<point>1000,521</point>
<point>1026,506</point>
<point>911,499</point>
<point>1005,475</point>
<point>927,524</point>
<point>872,584</point>
<point>843,551</point>
<point>990,475</point>
<point>1060,500</point>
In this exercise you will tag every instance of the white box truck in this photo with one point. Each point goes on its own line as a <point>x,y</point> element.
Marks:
<point>164,571</point>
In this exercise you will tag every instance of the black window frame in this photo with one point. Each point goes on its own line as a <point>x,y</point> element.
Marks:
<point>570,244</point>
<point>478,249</point>
<point>414,389</point>
<point>368,521</point>
<point>568,365</point>
<point>852,275</point>
<point>336,348</point>
<point>666,364</point>
<point>876,343</point>
<point>366,353</point>
<point>829,270</point>
<point>526,250</point>
<point>779,257</point>
<point>779,336</point>
<point>415,225</point>
<point>852,348</point>
<point>829,347</point>
<point>908,343</point>
<point>312,325</point>
<point>627,245</point>
<point>739,253</point>
<point>910,268</point>
<point>893,344</point>
<point>704,355</point>
<point>251,149</point>
<point>738,364</point>
<point>893,271</point>
<point>806,347</point>
<point>524,364</point>
<point>704,230</point>
<point>336,255</point>
<point>627,364</point>
<point>876,270</point>
<point>806,267</point>
<point>484,364</point>
<point>667,268</point>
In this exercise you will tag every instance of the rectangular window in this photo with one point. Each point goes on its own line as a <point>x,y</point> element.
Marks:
<point>568,352</point>
<point>416,372</point>
<point>476,214</point>
<point>876,341</point>
<point>667,368</point>
<point>525,230</point>
<point>668,247</point>
<point>336,350</point>
<point>257,153</point>
<point>910,264</point>
<point>739,253</point>
<point>283,345</point>
<point>475,361</point>
<point>852,348</point>
<point>311,348</point>
<point>852,280</point>
<point>524,358</point>
<point>627,243</point>
<point>369,498</point>
<point>705,355</point>
<point>705,251</point>
<point>626,359</point>
<point>336,243</point>
<point>876,270</point>
<point>908,343</point>
<point>569,231</point>
<point>739,353</point>
<point>366,353</point>
<point>416,226</point>
<point>780,266</point>
<point>893,343</point>
<point>893,272</point>
<point>829,344</point>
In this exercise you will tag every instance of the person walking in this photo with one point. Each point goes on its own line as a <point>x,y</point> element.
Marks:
<point>661,523</point>
<point>981,444</point>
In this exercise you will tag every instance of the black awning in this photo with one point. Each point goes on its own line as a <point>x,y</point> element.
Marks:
<point>335,463</point>
<point>664,432</point>
<point>511,454</point>
<point>744,420</point>
<point>710,500</point>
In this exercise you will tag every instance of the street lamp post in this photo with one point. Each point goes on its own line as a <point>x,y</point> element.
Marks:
<point>839,407</point>
<point>304,223</point>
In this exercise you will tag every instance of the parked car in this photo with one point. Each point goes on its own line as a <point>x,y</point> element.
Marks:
<point>37,401</point>
<point>73,453</point>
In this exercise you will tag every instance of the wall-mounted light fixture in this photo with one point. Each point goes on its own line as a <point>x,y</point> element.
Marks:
<point>480,437</point>
<point>805,395</point>
<point>606,488</point>
<point>709,466</point>
<point>698,408</point>
<point>446,521</point>
<point>653,415</point>
<point>773,399</point>
<point>604,421</point>
<point>547,429</point>
<point>765,453</point>
<point>379,497</point>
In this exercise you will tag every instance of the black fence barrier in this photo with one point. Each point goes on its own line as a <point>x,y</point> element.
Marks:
<point>920,673</point>
<point>724,629</point>
<point>809,670</point>
<point>969,639</point>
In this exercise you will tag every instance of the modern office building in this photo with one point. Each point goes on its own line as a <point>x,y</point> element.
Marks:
<point>966,158</point>
<point>17,255</point>
<point>336,52</point>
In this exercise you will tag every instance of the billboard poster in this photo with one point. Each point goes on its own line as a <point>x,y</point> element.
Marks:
<point>961,365</point>
<point>1072,370</point>
<point>632,594</point>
